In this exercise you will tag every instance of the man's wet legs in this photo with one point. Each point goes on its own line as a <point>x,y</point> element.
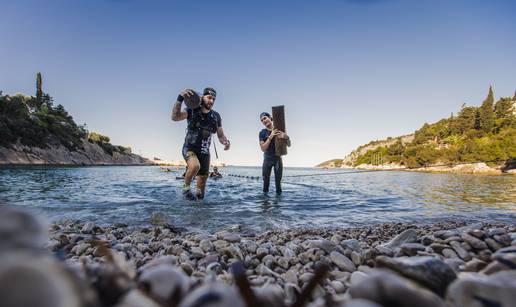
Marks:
<point>278,174</point>
<point>266,174</point>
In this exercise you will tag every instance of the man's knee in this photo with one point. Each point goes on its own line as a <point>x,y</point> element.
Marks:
<point>202,178</point>
<point>194,165</point>
<point>203,171</point>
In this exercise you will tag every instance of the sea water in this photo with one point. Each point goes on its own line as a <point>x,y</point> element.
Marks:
<point>329,198</point>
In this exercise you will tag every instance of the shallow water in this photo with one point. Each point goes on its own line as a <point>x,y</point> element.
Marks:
<point>130,194</point>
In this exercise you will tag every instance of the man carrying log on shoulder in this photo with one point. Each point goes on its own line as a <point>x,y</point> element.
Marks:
<point>202,123</point>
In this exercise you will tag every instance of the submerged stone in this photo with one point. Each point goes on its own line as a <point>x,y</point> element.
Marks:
<point>158,219</point>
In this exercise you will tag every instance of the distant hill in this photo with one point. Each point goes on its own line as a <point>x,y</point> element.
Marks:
<point>362,150</point>
<point>476,134</point>
<point>331,163</point>
<point>35,131</point>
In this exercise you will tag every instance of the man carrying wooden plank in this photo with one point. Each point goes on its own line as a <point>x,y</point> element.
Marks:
<point>272,141</point>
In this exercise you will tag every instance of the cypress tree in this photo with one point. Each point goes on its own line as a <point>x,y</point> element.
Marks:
<point>39,86</point>
<point>478,120</point>
<point>486,113</point>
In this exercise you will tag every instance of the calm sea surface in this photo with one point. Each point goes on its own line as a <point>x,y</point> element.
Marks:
<point>130,194</point>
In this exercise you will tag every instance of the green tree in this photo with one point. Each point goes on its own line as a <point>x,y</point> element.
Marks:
<point>424,134</point>
<point>486,113</point>
<point>503,108</point>
<point>466,119</point>
<point>39,88</point>
<point>98,138</point>
<point>47,100</point>
<point>395,149</point>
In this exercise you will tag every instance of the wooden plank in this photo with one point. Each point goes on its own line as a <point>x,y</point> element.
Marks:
<point>278,117</point>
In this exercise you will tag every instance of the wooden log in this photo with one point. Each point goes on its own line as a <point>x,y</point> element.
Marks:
<point>278,117</point>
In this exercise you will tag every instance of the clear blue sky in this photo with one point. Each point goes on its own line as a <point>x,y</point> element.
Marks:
<point>347,71</point>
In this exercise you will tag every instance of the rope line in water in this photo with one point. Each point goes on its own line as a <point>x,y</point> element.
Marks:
<point>307,175</point>
<point>297,183</point>
<point>242,176</point>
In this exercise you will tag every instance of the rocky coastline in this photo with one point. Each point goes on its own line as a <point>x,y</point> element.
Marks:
<point>57,155</point>
<point>402,264</point>
<point>479,168</point>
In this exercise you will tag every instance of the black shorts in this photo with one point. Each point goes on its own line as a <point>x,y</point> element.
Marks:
<point>204,159</point>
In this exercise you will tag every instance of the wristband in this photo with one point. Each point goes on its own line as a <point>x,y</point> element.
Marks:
<point>180,98</point>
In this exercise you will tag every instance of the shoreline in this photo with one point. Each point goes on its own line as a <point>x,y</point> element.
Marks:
<point>432,170</point>
<point>421,264</point>
<point>479,168</point>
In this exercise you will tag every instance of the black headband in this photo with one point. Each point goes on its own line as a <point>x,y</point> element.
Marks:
<point>209,91</point>
<point>265,114</point>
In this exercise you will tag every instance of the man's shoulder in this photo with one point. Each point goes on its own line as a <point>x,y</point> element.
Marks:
<point>215,114</point>
<point>264,133</point>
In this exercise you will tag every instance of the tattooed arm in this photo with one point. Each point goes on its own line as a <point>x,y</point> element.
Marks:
<point>177,113</point>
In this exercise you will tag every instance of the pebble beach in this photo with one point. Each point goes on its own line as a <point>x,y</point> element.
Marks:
<point>389,264</point>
